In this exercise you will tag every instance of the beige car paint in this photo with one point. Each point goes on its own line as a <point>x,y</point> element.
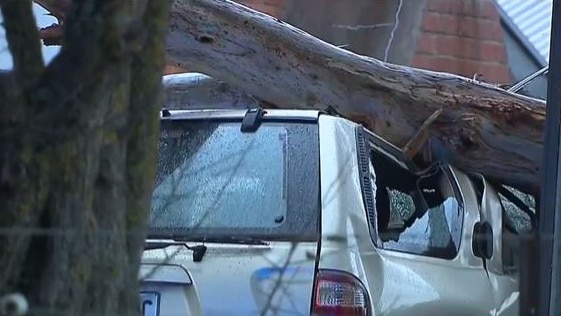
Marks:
<point>402,283</point>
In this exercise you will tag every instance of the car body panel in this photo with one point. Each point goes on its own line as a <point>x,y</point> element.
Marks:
<point>239,279</point>
<point>401,283</point>
<point>232,277</point>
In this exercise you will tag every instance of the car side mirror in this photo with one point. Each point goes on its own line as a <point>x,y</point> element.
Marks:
<point>482,243</point>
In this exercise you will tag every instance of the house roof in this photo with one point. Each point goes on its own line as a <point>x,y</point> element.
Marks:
<point>530,21</point>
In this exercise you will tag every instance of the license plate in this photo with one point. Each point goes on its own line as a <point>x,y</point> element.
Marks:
<point>150,303</point>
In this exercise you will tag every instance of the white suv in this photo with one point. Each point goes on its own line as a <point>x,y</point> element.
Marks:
<point>293,212</point>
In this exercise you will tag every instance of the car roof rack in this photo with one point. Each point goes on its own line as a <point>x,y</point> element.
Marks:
<point>252,120</point>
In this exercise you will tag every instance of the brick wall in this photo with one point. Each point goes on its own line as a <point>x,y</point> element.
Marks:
<point>270,7</point>
<point>463,37</point>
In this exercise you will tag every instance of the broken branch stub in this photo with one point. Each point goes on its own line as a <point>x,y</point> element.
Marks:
<point>481,129</point>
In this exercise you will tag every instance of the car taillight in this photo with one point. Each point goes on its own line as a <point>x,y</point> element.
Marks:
<point>339,293</point>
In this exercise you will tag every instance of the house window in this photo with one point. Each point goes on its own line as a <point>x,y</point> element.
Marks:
<point>416,213</point>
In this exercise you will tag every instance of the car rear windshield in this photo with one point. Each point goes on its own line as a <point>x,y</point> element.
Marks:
<point>213,180</point>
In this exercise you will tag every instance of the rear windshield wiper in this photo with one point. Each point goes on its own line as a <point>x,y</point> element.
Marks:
<point>243,240</point>
<point>198,250</point>
<point>235,240</point>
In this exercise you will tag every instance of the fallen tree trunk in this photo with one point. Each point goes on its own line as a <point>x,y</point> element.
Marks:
<point>198,91</point>
<point>480,129</point>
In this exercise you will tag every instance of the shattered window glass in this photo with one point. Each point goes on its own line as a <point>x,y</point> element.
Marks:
<point>514,217</point>
<point>418,214</point>
<point>401,206</point>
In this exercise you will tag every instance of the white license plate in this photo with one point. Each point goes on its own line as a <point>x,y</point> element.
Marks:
<point>150,303</point>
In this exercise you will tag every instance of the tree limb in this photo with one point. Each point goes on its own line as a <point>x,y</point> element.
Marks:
<point>198,91</point>
<point>23,39</point>
<point>415,144</point>
<point>68,82</point>
<point>481,128</point>
<point>53,34</point>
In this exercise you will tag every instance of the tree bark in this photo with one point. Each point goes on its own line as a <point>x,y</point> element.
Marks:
<point>482,129</point>
<point>77,157</point>
<point>198,91</point>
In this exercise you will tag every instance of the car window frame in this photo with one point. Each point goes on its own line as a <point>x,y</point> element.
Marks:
<point>373,142</point>
<point>452,231</point>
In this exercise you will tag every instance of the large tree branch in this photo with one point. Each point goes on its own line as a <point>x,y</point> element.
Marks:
<point>481,128</point>
<point>95,32</point>
<point>23,39</point>
<point>198,91</point>
<point>53,35</point>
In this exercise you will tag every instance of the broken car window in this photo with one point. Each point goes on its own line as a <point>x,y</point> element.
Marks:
<point>516,220</point>
<point>416,214</point>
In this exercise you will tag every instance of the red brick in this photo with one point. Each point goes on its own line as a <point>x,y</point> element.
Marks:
<point>431,22</point>
<point>466,38</point>
<point>466,8</point>
<point>469,8</point>
<point>467,26</point>
<point>496,73</point>
<point>497,31</point>
<point>442,6</point>
<point>488,10</point>
<point>491,72</point>
<point>448,45</point>
<point>270,7</point>
<point>275,3</point>
<point>493,52</point>
<point>426,43</point>
<point>469,48</point>
<point>436,63</point>
<point>448,24</point>
<point>174,69</point>
<point>490,30</point>
<point>422,61</point>
<point>470,67</point>
<point>445,64</point>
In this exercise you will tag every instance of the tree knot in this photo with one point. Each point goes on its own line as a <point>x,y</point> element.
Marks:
<point>205,39</point>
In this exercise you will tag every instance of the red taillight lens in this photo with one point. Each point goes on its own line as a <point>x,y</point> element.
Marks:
<point>339,293</point>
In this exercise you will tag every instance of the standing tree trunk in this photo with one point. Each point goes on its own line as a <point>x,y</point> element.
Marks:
<point>77,155</point>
